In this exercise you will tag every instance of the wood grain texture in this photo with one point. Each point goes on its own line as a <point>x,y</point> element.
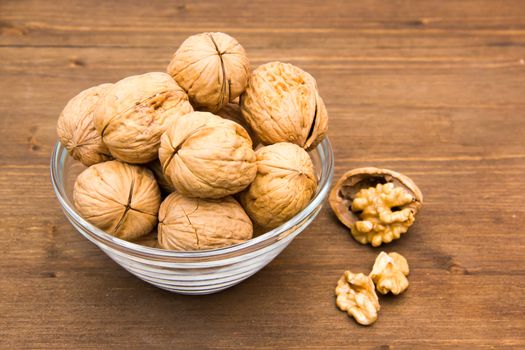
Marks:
<point>433,89</point>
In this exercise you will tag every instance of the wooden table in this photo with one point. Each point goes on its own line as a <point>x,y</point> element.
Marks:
<point>435,90</point>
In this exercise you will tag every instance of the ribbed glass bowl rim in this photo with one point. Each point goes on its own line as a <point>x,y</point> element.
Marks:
<point>327,172</point>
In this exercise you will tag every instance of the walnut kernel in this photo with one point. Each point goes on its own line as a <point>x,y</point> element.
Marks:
<point>379,224</point>
<point>356,295</point>
<point>389,273</point>
<point>378,205</point>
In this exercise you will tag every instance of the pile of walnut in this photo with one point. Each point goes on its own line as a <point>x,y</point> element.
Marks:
<point>175,151</point>
<point>377,205</point>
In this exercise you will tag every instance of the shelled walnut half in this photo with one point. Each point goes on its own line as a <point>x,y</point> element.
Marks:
<point>356,295</point>
<point>389,273</point>
<point>378,205</point>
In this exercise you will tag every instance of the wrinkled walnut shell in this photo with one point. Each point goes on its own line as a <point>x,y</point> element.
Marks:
<point>76,128</point>
<point>119,198</point>
<point>164,182</point>
<point>135,112</point>
<point>212,68</point>
<point>232,111</point>
<point>344,191</point>
<point>206,156</point>
<point>282,104</point>
<point>284,185</point>
<point>195,224</point>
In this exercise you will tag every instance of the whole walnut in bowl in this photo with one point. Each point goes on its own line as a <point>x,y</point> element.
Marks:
<point>284,184</point>
<point>206,156</point>
<point>76,128</point>
<point>135,112</point>
<point>282,104</point>
<point>212,68</point>
<point>119,198</point>
<point>196,224</point>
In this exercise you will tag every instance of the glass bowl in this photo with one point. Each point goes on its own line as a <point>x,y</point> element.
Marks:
<point>192,272</point>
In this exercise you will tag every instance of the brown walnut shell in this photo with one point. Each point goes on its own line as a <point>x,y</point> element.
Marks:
<point>195,224</point>
<point>119,198</point>
<point>346,188</point>
<point>76,128</point>
<point>135,112</point>
<point>282,104</point>
<point>212,68</point>
<point>206,156</point>
<point>284,184</point>
<point>164,182</point>
<point>232,111</point>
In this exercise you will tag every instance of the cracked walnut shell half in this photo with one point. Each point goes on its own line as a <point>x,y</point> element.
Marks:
<point>76,128</point>
<point>282,104</point>
<point>212,68</point>
<point>378,205</point>
<point>389,273</point>
<point>119,198</point>
<point>356,295</point>
<point>284,184</point>
<point>195,224</point>
<point>206,156</point>
<point>134,113</point>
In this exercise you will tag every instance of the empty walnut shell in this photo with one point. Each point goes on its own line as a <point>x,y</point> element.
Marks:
<point>284,184</point>
<point>212,68</point>
<point>195,224</point>
<point>135,112</point>
<point>282,104</point>
<point>346,188</point>
<point>119,198</point>
<point>207,156</point>
<point>76,128</point>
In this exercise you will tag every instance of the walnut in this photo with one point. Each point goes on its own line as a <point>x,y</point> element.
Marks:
<point>356,295</point>
<point>389,273</point>
<point>212,68</point>
<point>119,198</point>
<point>195,224</point>
<point>135,112</point>
<point>76,129</point>
<point>162,180</point>
<point>378,205</point>
<point>232,111</point>
<point>284,184</point>
<point>207,156</point>
<point>282,104</point>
